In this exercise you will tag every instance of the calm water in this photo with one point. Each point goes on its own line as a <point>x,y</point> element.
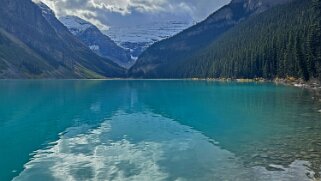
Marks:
<point>157,130</point>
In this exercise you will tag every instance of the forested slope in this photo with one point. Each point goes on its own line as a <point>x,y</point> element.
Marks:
<point>155,61</point>
<point>282,42</point>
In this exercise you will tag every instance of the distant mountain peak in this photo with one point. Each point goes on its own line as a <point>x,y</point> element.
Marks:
<point>75,24</point>
<point>96,41</point>
<point>44,8</point>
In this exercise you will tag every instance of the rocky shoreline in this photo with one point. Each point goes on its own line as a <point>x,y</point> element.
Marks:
<point>313,84</point>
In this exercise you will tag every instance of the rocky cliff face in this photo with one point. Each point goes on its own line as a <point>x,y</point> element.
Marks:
<point>155,60</point>
<point>99,43</point>
<point>32,32</point>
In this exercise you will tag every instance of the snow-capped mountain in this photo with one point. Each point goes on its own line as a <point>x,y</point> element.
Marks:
<point>126,43</point>
<point>75,25</point>
<point>99,43</point>
<point>139,37</point>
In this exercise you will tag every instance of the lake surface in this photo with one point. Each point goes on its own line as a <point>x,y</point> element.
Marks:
<point>157,130</point>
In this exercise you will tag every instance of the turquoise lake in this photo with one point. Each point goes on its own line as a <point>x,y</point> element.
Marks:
<point>158,130</point>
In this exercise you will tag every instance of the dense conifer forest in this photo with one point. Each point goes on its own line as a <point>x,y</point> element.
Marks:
<point>281,42</point>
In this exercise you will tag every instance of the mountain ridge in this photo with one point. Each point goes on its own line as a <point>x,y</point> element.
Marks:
<point>156,58</point>
<point>62,55</point>
<point>281,42</point>
<point>99,43</point>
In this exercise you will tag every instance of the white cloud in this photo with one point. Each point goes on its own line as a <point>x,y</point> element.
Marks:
<point>103,13</point>
<point>123,7</point>
<point>145,146</point>
<point>90,16</point>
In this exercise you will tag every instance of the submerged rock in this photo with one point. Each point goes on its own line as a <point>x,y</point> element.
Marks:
<point>255,155</point>
<point>273,167</point>
<point>264,156</point>
<point>312,150</point>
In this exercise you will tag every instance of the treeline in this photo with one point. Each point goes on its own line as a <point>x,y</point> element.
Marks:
<point>282,42</point>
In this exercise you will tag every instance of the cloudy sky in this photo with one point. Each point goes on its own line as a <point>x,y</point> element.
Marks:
<point>108,13</point>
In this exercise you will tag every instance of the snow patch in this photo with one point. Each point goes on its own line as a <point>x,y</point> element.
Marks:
<point>94,47</point>
<point>74,24</point>
<point>44,8</point>
<point>133,58</point>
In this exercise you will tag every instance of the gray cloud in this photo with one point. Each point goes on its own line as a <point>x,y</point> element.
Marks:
<point>104,13</point>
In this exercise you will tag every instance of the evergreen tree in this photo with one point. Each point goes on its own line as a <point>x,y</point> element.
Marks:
<point>316,41</point>
<point>283,41</point>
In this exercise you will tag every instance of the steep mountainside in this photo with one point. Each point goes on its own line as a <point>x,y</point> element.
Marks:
<point>101,44</point>
<point>155,60</point>
<point>15,56</point>
<point>36,45</point>
<point>281,42</point>
<point>277,43</point>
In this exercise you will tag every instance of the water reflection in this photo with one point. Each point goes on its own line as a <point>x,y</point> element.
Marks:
<point>32,113</point>
<point>263,125</point>
<point>158,130</point>
<point>143,146</point>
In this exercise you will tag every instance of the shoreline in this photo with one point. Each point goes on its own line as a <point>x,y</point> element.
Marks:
<point>311,84</point>
<point>314,86</point>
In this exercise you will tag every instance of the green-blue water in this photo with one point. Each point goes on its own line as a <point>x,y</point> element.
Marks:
<point>157,130</point>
